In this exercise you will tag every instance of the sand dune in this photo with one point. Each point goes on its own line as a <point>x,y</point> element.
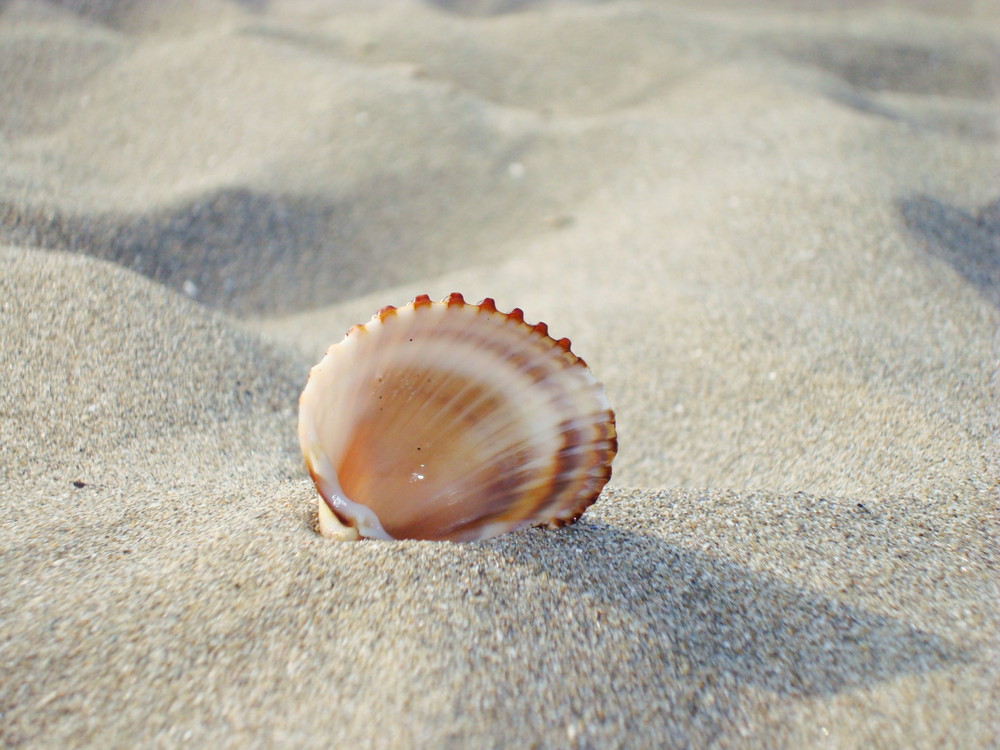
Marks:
<point>771,231</point>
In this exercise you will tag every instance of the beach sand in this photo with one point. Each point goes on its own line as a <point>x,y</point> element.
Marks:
<point>772,231</point>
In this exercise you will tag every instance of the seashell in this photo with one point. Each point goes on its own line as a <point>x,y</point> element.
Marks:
<point>448,420</point>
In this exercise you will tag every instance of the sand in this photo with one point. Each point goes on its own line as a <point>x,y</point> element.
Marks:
<point>772,230</point>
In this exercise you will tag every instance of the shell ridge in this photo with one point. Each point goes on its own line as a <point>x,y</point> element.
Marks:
<point>552,434</point>
<point>431,400</point>
<point>553,431</point>
<point>351,411</point>
<point>432,353</point>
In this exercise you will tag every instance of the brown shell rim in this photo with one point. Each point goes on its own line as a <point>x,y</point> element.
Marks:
<point>487,305</point>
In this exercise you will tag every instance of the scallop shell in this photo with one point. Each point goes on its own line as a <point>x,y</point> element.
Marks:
<point>448,420</point>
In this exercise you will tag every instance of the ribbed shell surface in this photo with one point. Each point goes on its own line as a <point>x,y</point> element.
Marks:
<point>454,421</point>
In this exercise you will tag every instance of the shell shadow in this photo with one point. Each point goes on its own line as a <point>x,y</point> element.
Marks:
<point>709,621</point>
<point>968,243</point>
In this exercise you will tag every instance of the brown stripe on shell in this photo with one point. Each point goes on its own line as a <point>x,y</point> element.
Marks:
<point>454,300</point>
<point>550,492</point>
<point>571,475</point>
<point>500,348</point>
<point>610,432</point>
<point>502,485</point>
<point>536,373</point>
<point>421,300</point>
<point>595,473</point>
<point>567,464</point>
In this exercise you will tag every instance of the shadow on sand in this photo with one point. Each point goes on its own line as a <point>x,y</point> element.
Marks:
<point>968,243</point>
